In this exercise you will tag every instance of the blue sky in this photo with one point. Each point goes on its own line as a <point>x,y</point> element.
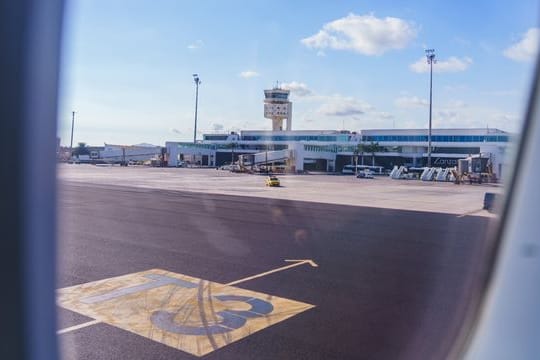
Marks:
<point>128,65</point>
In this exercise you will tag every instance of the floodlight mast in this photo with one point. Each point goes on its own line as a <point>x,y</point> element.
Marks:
<point>197,82</point>
<point>430,55</point>
<point>71,142</point>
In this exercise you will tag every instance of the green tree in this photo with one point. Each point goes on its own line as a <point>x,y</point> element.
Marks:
<point>373,148</point>
<point>359,149</point>
<point>362,149</point>
<point>81,149</point>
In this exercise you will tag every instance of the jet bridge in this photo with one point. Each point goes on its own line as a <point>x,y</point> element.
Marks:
<point>271,156</point>
<point>264,158</point>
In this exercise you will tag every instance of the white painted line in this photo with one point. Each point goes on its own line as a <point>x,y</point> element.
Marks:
<point>470,213</point>
<point>77,327</point>
<point>296,263</point>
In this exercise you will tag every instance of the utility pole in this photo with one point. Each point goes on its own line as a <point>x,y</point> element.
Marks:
<point>356,161</point>
<point>430,55</point>
<point>197,82</point>
<point>232,155</point>
<point>71,142</point>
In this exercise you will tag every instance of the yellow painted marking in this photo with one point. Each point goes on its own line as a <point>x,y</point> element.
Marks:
<point>296,263</point>
<point>186,313</point>
<point>77,327</point>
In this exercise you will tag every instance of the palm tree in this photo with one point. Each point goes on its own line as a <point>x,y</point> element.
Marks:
<point>373,148</point>
<point>361,149</point>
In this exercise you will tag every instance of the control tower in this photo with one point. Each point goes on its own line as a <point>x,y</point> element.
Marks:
<point>278,108</point>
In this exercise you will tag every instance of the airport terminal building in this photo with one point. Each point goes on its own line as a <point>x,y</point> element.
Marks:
<point>330,150</point>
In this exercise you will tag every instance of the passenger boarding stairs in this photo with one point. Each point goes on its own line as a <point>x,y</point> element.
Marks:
<point>437,174</point>
<point>443,174</point>
<point>398,172</point>
<point>429,174</point>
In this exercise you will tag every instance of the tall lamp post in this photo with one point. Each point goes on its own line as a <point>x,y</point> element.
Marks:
<point>355,152</point>
<point>430,55</point>
<point>233,145</point>
<point>71,142</point>
<point>266,158</point>
<point>197,82</point>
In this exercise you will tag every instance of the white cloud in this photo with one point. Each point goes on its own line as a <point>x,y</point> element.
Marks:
<point>341,109</point>
<point>217,127</point>
<point>319,110</point>
<point>411,102</point>
<point>457,104</point>
<point>338,105</point>
<point>525,49</point>
<point>448,116</point>
<point>196,45</point>
<point>384,115</point>
<point>364,34</point>
<point>459,88</point>
<point>505,92</point>
<point>235,129</point>
<point>248,74</point>
<point>452,113</point>
<point>452,64</point>
<point>297,88</point>
<point>452,116</point>
<point>505,120</point>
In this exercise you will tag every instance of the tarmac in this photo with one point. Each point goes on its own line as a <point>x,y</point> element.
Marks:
<point>380,192</point>
<point>324,267</point>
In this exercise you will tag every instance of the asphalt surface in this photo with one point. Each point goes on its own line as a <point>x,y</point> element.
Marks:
<point>388,286</point>
<point>380,192</point>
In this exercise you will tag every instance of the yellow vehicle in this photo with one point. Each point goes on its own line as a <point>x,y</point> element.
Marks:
<point>272,181</point>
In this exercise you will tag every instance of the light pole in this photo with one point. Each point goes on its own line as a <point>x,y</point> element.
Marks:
<point>266,158</point>
<point>197,82</point>
<point>430,55</point>
<point>356,161</point>
<point>71,142</point>
<point>233,144</point>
